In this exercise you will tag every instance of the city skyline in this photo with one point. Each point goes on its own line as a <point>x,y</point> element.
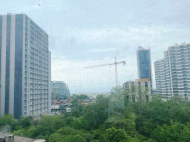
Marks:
<point>89,33</point>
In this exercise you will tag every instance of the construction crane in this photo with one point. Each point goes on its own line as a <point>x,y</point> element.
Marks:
<point>115,63</point>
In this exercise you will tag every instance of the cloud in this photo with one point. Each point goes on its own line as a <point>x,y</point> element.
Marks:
<point>91,32</point>
<point>102,50</point>
<point>74,74</point>
<point>117,35</point>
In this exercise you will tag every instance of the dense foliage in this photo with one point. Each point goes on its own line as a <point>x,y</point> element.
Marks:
<point>111,119</point>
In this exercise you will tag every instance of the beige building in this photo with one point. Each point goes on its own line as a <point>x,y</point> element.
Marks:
<point>138,90</point>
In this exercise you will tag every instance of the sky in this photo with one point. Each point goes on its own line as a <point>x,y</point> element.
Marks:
<point>92,32</point>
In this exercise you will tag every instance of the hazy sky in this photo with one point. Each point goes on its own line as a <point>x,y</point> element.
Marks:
<point>90,32</point>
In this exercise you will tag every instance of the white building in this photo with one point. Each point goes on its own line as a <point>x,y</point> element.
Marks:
<point>55,106</point>
<point>25,67</point>
<point>68,109</point>
<point>172,73</point>
<point>93,95</point>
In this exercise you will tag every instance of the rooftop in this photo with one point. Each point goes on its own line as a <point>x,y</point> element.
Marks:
<point>136,80</point>
<point>21,139</point>
<point>142,48</point>
<point>27,17</point>
<point>57,82</point>
<point>90,93</point>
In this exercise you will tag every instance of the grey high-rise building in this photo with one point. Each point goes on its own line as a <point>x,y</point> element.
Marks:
<point>25,67</point>
<point>172,73</point>
<point>144,64</point>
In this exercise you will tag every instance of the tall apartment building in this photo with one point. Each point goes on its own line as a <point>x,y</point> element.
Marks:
<point>172,73</point>
<point>25,63</point>
<point>144,64</point>
<point>60,89</point>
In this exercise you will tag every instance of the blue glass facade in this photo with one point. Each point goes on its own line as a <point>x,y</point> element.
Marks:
<point>62,91</point>
<point>1,106</point>
<point>0,42</point>
<point>24,67</point>
<point>18,65</point>
<point>144,64</point>
<point>7,63</point>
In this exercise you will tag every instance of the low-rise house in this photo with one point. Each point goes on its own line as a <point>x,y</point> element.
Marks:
<point>93,95</point>
<point>68,109</point>
<point>59,106</point>
<point>12,138</point>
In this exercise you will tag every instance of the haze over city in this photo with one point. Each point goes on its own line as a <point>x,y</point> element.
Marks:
<point>94,71</point>
<point>84,33</point>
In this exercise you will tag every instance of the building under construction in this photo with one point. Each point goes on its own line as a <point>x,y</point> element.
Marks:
<point>59,90</point>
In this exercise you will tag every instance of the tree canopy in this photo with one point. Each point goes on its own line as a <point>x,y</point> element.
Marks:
<point>110,119</point>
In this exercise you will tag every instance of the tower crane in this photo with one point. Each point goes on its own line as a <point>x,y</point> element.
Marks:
<point>115,63</point>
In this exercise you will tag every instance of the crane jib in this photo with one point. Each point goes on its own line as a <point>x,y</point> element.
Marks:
<point>115,63</point>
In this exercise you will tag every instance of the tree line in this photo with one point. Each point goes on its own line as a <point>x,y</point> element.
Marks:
<point>110,119</point>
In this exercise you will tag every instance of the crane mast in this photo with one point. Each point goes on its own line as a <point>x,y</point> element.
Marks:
<point>115,63</point>
<point>116,76</point>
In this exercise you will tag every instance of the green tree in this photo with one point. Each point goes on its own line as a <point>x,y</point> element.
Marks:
<point>78,111</point>
<point>41,128</point>
<point>6,120</point>
<point>76,123</point>
<point>67,134</point>
<point>159,112</point>
<point>172,133</point>
<point>56,137</point>
<point>117,135</point>
<point>50,124</point>
<point>116,102</point>
<point>22,122</point>
<point>95,113</point>
<point>30,132</point>
<point>121,123</point>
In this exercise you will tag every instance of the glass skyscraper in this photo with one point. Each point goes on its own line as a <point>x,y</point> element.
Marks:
<point>25,63</point>
<point>61,90</point>
<point>144,64</point>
